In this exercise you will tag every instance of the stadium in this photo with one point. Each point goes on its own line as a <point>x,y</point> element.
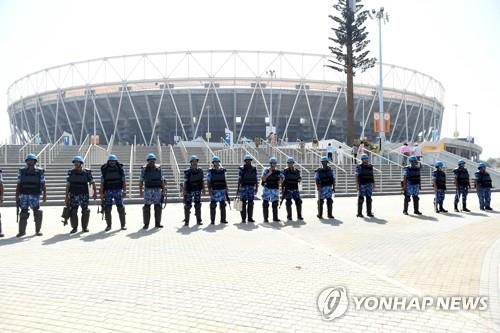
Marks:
<point>232,95</point>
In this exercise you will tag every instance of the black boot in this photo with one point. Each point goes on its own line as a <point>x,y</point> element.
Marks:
<point>38,217</point>
<point>146,216</point>
<point>213,207</point>
<point>405,205</point>
<point>289,210</point>
<point>360,206</point>
<point>275,212</point>
<point>329,208</point>
<point>441,209</point>
<point>369,212</point>
<point>250,211</point>
<point>158,212</point>
<point>23,222</point>
<point>187,213</point>
<point>298,205</point>
<point>197,212</point>
<point>121,215</point>
<point>85,219</point>
<point>73,220</point>
<point>464,206</point>
<point>416,201</point>
<point>223,213</point>
<point>455,206</point>
<point>320,209</point>
<point>265,211</point>
<point>107,217</point>
<point>1,234</point>
<point>436,207</point>
<point>243,212</point>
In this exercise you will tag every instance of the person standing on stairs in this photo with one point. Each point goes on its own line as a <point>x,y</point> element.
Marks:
<point>77,193</point>
<point>411,185</point>
<point>217,189</point>
<point>325,185</point>
<point>271,180</point>
<point>462,185</point>
<point>439,184</point>
<point>247,188</point>
<point>30,185</point>
<point>365,183</point>
<point>193,186</point>
<point>152,189</point>
<point>113,188</point>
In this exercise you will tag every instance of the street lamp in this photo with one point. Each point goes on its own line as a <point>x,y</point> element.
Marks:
<point>455,134</point>
<point>272,74</point>
<point>469,138</point>
<point>380,15</point>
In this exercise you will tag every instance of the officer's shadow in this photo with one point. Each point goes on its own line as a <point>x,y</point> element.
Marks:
<point>374,220</point>
<point>453,215</point>
<point>424,217</point>
<point>186,230</point>
<point>142,232</point>
<point>476,214</point>
<point>100,235</point>
<point>332,222</point>
<point>294,223</point>
<point>214,227</point>
<point>14,240</point>
<point>249,226</point>
<point>59,238</point>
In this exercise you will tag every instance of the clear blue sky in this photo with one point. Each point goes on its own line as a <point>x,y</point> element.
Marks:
<point>455,41</point>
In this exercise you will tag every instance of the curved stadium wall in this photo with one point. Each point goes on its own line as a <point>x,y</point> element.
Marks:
<point>144,97</point>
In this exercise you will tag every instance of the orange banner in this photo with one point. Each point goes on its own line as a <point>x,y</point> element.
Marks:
<point>376,122</point>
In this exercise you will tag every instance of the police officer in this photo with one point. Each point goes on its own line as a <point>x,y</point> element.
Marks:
<point>462,185</point>
<point>247,188</point>
<point>193,186</point>
<point>439,184</point>
<point>325,185</point>
<point>77,193</point>
<point>217,189</point>
<point>1,200</point>
<point>271,180</point>
<point>152,188</point>
<point>30,184</point>
<point>291,180</point>
<point>411,185</point>
<point>483,185</point>
<point>113,188</point>
<point>365,183</point>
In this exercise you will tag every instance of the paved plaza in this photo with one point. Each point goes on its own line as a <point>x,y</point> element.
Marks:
<point>250,277</point>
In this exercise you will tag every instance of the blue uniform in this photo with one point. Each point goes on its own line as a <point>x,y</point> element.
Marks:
<point>440,190</point>
<point>193,185</point>
<point>463,185</point>
<point>113,194</point>
<point>247,180</point>
<point>325,191</point>
<point>79,198</point>
<point>218,195</point>
<point>152,195</point>
<point>412,187</point>
<point>30,200</point>
<point>365,190</point>
<point>483,185</point>
<point>366,180</point>
<point>270,193</point>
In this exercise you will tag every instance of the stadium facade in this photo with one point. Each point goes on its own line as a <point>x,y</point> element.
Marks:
<point>146,97</point>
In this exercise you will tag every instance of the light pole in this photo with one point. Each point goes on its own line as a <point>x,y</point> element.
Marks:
<point>380,15</point>
<point>272,74</point>
<point>469,139</point>
<point>208,124</point>
<point>455,134</point>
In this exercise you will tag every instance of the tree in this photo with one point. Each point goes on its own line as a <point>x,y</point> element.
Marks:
<point>350,49</point>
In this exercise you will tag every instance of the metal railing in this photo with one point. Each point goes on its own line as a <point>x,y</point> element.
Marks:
<point>110,144</point>
<point>336,167</point>
<point>131,170</point>
<point>183,150</point>
<point>160,153</point>
<point>175,169</point>
<point>44,156</point>
<point>210,152</point>
<point>95,155</point>
<point>396,155</point>
<point>3,150</point>
<point>84,146</point>
<point>28,147</point>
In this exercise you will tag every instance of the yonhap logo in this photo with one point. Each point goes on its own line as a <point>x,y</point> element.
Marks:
<point>333,302</point>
